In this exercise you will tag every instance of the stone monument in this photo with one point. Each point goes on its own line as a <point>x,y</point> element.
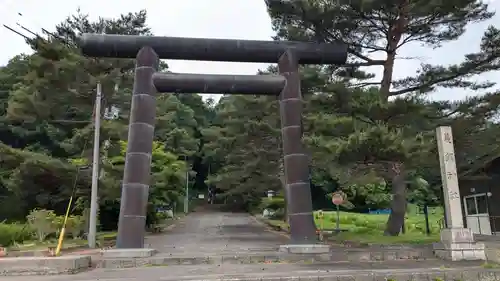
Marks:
<point>457,243</point>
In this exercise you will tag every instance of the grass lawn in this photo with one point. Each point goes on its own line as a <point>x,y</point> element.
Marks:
<point>36,246</point>
<point>67,244</point>
<point>369,228</point>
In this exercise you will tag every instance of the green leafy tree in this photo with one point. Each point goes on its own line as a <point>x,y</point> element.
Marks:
<point>245,140</point>
<point>381,26</point>
<point>34,180</point>
<point>46,105</point>
<point>57,93</point>
<point>372,195</point>
<point>176,126</point>
<point>204,113</point>
<point>168,175</point>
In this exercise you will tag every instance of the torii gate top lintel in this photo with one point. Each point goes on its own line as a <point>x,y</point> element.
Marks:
<point>207,49</point>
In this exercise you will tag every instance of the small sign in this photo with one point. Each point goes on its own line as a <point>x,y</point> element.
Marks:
<point>338,198</point>
<point>201,196</point>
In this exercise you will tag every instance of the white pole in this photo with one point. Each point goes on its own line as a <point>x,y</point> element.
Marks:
<point>95,172</point>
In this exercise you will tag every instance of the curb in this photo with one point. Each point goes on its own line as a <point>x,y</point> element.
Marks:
<point>41,253</point>
<point>470,274</point>
<point>331,258</point>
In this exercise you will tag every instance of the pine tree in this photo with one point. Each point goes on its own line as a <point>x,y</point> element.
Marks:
<point>387,27</point>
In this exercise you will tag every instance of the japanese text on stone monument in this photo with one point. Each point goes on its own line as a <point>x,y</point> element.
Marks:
<point>449,177</point>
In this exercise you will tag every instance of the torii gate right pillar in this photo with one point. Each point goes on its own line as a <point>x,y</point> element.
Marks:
<point>296,161</point>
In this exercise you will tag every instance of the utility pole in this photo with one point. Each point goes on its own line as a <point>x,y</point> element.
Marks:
<point>95,172</point>
<point>186,199</point>
<point>211,192</point>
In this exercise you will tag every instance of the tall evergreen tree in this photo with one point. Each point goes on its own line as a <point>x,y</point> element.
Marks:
<point>387,27</point>
<point>245,141</point>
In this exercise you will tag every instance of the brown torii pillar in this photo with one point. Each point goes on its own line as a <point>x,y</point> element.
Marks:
<point>149,49</point>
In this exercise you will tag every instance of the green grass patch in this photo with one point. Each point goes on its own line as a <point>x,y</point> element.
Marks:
<point>69,243</point>
<point>108,235</point>
<point>37,246</point>
<point>369,228</point>
<point>356,222</point>
<point>277,223</point>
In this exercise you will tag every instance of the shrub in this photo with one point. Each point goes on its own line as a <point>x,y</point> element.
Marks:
<point>75,225</point>
<point>14,233</point>
<point>57,223</point>
<point>41,223</point>
<point>278,214</point>
<point>44,222</point>
<point>274,203</point>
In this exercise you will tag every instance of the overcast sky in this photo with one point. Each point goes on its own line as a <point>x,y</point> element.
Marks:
<point>236,19</point>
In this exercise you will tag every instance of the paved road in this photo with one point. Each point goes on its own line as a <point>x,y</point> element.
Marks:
<point>214,272</point>
<point>216,232</point>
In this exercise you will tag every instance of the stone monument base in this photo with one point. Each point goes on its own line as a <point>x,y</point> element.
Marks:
<point>128,253</point>
<point>458,244</point>
<point>305,248</point>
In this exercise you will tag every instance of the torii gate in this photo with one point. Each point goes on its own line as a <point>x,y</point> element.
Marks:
<point>149,49</point>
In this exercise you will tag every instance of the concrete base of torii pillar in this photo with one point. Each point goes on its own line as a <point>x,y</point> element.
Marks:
<point>305,248</point>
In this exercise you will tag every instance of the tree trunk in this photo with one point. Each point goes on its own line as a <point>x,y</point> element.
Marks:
<point>398,204</point>
<point>394,35</point>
